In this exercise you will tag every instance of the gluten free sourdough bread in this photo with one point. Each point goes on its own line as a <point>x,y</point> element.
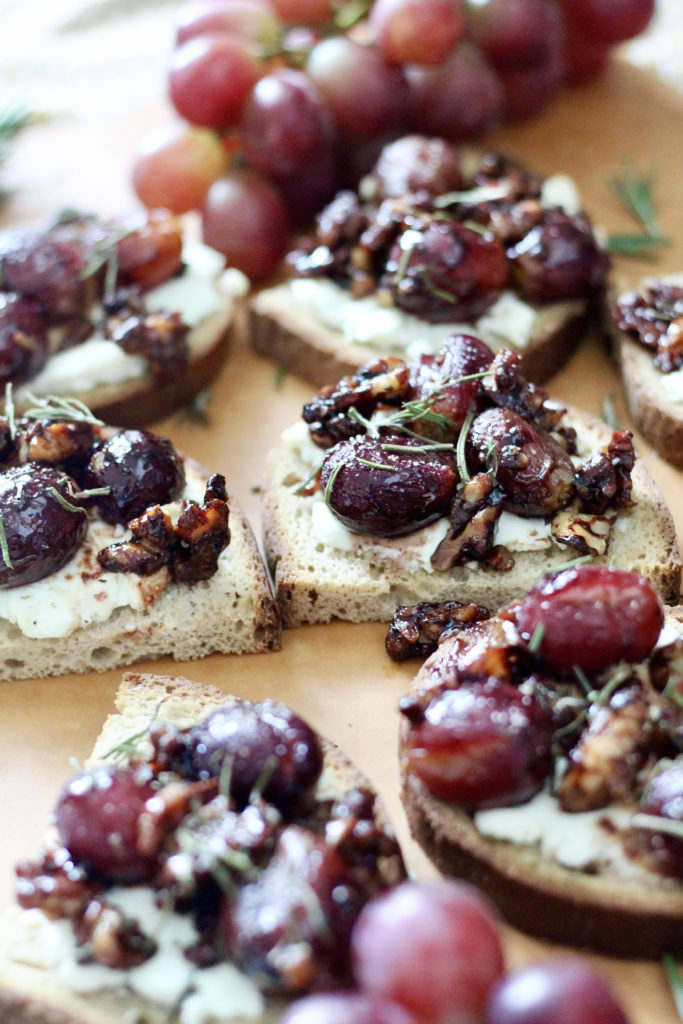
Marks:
<point>584,875</point>
<point>652,371</point>
<point>35,988</point>
<point>323,570</point>
<point>81,614</point>
<point>126,315</point>
<point>382,276</point>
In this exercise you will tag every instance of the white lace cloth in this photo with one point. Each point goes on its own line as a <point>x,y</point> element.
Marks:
<point>94,57</point>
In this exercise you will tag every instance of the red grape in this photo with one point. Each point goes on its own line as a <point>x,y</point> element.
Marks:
<point>417,31</point>
<point>175,166</point>
<point>529,89</point>
<point>304,12</point>
<point>559,991</point>
<point>345,1008</point>
<point>584,58</point>
<point>514,31</point>
<point>609,21</point>
<point>307,190</point>
<point>252,20</point>
<point>366,94</point>
<point>482,745</point>
<point>210,78</point>
<point>285,124</point>
<point>245,218</point>
<point>432,947</point>
<point>98,820</point>
<point>592,616</point>
<point>459,99</point>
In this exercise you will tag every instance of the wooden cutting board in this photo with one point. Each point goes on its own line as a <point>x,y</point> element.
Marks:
<point>337,675</point>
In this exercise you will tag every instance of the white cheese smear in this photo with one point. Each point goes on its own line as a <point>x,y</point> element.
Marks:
<point>202,289</point>
<point>167,979</point>
<point>81,593</point>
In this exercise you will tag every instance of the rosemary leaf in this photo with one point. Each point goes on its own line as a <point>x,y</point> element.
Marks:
<point>379,465</point>
<point>4,546</point>
<point>536,638</point>
<point>61,500</point>
<point>635,191</point>
<point>9,410</point>
<point>675,979</point>
<point>330,482</point>
<point>609,412</point>
<point>461,460</point>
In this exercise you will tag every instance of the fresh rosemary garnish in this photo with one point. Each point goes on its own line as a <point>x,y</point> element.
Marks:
<point>675,979</point>
<point>330,482</point>
<point>4,546</point>
<point>64,502</point>
<point>279,379</point>
<point>418,449</point>
<point>9,410</point>
<point>127,748</point>
<point>269,766</point>
<point>609,413</point>
<point>54,407</point>
<point>377,465</point>
<point>13,120</point>
<point>480,194</point>
<point>636,193</point>
<point>197,411</point>
<point>305,484</point>
<point>621,673</point>
<point>460,456</point>
<point>536,638</point>
<point>556,569</point>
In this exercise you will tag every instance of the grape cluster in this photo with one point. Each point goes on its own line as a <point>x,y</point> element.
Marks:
<point>282,102</point>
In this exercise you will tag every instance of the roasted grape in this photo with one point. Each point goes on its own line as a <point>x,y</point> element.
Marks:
<point>445,271</point>
<point>98,817</point>
<point>264,745</point>
<point>389,486</point>
<point>346,1008</point>
<point>23,338</point>
<point>452,378</point>
<point>42,523</point>
<point>531,465</point>
<point>481,745</point>
<point>591,617</point>
<point>663,798</point>
<point>139,468</point>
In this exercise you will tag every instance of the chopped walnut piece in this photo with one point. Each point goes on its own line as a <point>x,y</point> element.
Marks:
<point>160,338</point>
<point>605,479</point>
<point>604,763</point>
<point>475,511</point>
<point>111,938</point>
<point>507,388</point>
<point>416,630</point>
<point>586,533</point>
<point>187,538</point>
<point>52,441</point>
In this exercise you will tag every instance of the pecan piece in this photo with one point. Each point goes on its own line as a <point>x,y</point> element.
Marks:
<point>605,479</point>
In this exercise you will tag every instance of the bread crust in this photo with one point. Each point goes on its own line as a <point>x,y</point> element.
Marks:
<point>321,355</point>
<point>232,612</point>
<point>314,585</point>
<point>623,917</point>
<point>33,995</point>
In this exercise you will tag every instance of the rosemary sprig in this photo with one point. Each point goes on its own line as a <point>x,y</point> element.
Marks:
<point>330,482</point>
<point>4,546</point>
<point>636,193</point>
<point>64,502</point>
<point>556,569</point>
<point>53,407</point>
<point>675,979</point>
<point>536,638</point>
<point>376,465</point>
<point>609,412</point>
<point>9,410</point>
<point>460,456</point>
<point>13,120</point>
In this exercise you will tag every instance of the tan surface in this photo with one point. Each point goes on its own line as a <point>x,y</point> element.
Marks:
<point>338,676</point>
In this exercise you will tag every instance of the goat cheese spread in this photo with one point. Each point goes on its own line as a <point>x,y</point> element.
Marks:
<point>509,322</point>
<point>581,841</point>
<point>81,593</point>
<point>168,979</point>
<point>201,291</point>
<point>412,550</point>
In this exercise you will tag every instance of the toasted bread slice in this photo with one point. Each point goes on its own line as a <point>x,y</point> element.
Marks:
<point>319,577</point>
<point>560,876</point>
<point>32,991</point>
<point>654,399</point>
